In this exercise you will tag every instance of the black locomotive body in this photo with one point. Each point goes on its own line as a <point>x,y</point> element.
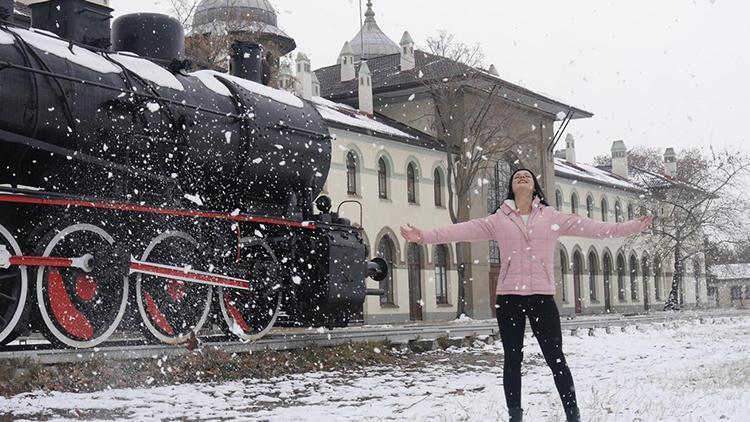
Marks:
<point>136,192</point>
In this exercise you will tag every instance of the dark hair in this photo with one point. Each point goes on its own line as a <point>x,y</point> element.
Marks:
<point>538,192</point>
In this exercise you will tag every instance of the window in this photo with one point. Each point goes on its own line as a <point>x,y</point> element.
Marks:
<point>605,209</point>
<point>621,278</point>
<point>618,212</point>
<point>630,211</point>
<point>438,188</point>
<point>351,174</point>
<point>592,276</point>
<point>633,278</point>
<point>697,277</point>
<point>411,183</point>
<point>589,207</point>
<point>441,274</point>
<point>563,272</point>
<point>386,251</point>
<point>574,203</point>
<point>382,179</point>
<point>558,200</point>
<point>747,292</point>
<point>736,293</point>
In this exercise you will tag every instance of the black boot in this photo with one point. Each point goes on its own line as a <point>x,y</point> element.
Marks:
<point>516,414</point>
<point>572,414</point>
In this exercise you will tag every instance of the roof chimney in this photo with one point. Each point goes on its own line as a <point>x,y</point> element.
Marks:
<point>346,59</point>
<point>570,149</point>
<point>620,159</point>
<point>493,71</point>
<point>315,85</point>
<point>670,163</point>
<point>407,52</point>
<point>304,75</point>
<point>365,89</point>
<point>287,80</point>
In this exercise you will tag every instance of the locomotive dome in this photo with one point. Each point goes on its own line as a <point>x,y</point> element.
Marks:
<point>214,15</point>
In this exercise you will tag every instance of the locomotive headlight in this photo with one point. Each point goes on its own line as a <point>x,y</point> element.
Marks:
<point>323,203</point>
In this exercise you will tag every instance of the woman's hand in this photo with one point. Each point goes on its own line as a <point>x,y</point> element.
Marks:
<point>412,234</point>
<point>646,222</point>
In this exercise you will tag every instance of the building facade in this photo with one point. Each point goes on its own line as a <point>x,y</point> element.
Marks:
<point>729,285</point>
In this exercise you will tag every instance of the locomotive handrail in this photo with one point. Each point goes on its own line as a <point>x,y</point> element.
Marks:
<point>280,126</point>
<point>361,208</point>
<point>15,138</point>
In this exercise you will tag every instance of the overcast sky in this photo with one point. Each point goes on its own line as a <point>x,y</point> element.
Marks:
<point>658,73</point>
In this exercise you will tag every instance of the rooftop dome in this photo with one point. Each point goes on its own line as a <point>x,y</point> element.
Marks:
<point>371,41</point>
<point>210,14</point>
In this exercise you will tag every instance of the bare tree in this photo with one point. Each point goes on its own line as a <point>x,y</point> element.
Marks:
<point>704,199</point>
<point>476,124</point>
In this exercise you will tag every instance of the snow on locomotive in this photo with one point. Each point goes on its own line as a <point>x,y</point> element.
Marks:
<point>134,192</point>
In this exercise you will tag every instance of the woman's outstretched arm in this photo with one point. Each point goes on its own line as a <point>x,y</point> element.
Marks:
<point>473,230</point>
<point>575,225</point>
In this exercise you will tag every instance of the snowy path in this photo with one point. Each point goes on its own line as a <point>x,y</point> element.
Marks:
<point>688,372</point>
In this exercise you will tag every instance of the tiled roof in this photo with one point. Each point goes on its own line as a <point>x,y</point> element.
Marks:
<point>387,77</point>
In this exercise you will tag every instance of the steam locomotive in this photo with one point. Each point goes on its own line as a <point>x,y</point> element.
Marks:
<point>136,194</point>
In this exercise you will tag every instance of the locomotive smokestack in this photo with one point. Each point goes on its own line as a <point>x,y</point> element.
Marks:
<point>75,20</point>
<point>6,10</point>
<point>247,62</point>
<point>151,35</point>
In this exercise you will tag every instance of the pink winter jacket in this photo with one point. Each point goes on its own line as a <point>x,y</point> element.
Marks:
<point>527,249</point>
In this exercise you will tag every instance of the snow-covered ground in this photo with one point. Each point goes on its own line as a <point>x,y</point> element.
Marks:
<point>684,372</point>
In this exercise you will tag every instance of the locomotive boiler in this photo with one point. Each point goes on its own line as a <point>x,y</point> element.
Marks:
<point>134,193</point>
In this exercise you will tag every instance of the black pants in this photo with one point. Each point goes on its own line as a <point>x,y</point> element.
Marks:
<point>544,317</point>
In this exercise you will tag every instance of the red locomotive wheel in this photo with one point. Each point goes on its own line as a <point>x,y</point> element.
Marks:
<point>80,309</point>
<point>170,309</point>
<point>14,286</point>
<point>249,315</point>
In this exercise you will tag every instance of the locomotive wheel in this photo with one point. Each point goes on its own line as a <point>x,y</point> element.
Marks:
<point>14,286</point>
<point>80,309</point>
<point>172,310</point>
<point>250,314</point>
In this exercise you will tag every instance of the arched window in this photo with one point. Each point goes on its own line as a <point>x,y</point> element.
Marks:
<point>411,183</point>
<point>645,273</point>
<point>618,212</point>
<point>382,179</point>
<point>386,251</point>
<point>592,276</point>
<point>589,206</point>
<point>351,173</point>
<point>633,278</point>
<point>605,209</point>
<point>573,203</point>
<point>657,277</point>
<point>441,274</point>
<point>563,273</point>
<point>630,212</point>
<point>621,278</point>
<point>558,200</point>
<point>438,185</point>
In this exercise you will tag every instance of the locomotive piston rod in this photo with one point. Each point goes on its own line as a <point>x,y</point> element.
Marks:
<point>86,263</point>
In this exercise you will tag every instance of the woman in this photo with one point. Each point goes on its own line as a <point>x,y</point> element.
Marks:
<point>526,229</point>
